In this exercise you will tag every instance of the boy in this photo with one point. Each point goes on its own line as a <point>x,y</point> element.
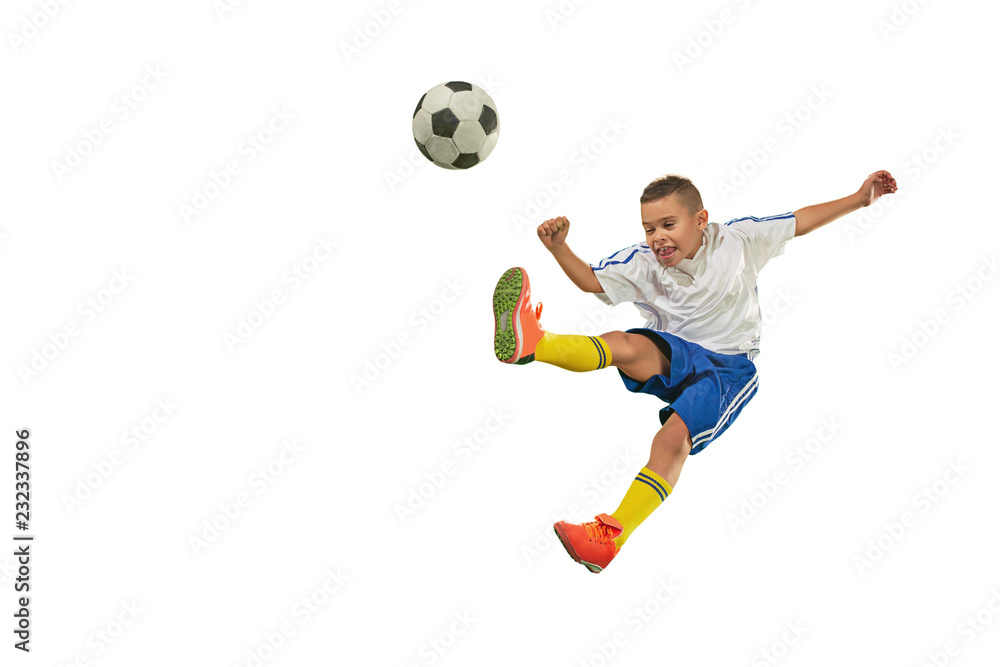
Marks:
<point>696,283</point>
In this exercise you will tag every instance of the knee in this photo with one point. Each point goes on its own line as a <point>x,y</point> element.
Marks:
<point>614,337</point>
<point>671,444</point>
<point>622,349</point>
<point>673,437</point>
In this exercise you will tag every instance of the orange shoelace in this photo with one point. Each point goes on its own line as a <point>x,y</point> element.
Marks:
<point>598,532</point>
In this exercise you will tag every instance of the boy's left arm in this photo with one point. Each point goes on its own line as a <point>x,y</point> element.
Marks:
<point>813,217</point>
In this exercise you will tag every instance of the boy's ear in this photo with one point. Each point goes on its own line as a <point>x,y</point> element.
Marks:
<point>702,218</point>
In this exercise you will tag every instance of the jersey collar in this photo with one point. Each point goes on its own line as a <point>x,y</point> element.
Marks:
<point>692,266</point>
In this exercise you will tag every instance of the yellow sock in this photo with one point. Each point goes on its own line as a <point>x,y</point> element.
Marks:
<point>645,495</point>
<point>574,353</point>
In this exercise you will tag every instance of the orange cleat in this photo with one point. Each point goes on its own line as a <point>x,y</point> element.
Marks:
<point>591,544</point>
<point>516,327</point>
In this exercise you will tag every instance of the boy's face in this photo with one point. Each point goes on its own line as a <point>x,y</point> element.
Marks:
<point>672,233</point>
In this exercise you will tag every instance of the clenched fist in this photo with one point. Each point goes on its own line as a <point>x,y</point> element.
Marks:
<point>553,232</point>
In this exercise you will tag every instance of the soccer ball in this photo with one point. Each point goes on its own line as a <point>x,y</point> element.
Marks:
<point>455,125</point>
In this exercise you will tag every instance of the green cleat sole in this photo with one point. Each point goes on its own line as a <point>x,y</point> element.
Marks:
<point>505,296</point>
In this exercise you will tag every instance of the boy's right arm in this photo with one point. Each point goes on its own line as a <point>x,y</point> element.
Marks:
<point>552,234</point>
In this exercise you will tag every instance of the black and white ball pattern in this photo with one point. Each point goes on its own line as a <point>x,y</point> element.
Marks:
<point>455,125</point>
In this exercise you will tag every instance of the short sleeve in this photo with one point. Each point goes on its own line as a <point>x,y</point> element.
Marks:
<point>764,238</point>
<point>623,275</point>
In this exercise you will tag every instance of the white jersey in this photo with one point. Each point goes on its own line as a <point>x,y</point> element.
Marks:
<point>710,299</point>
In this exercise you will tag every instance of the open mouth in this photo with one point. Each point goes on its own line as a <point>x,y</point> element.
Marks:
<point>666,252</point>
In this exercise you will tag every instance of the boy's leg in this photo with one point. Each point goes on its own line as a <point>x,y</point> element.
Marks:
<point>596,543</point>
<point>636,355</point>
<point>519,338</point>
<point>670,449</point>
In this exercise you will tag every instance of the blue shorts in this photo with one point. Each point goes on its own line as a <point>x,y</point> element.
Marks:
<point>706,389</point>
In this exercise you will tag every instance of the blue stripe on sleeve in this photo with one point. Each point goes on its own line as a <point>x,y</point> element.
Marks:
<point>765,219</point>
<point>604,263</point>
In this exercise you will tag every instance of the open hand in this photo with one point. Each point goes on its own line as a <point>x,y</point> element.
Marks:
<point>553,232</point>
<point>878,184</point>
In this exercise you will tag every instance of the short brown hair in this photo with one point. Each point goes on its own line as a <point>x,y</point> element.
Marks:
<point>670,184</point>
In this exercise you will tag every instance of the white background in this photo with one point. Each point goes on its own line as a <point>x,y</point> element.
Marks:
<point>825,552</point>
